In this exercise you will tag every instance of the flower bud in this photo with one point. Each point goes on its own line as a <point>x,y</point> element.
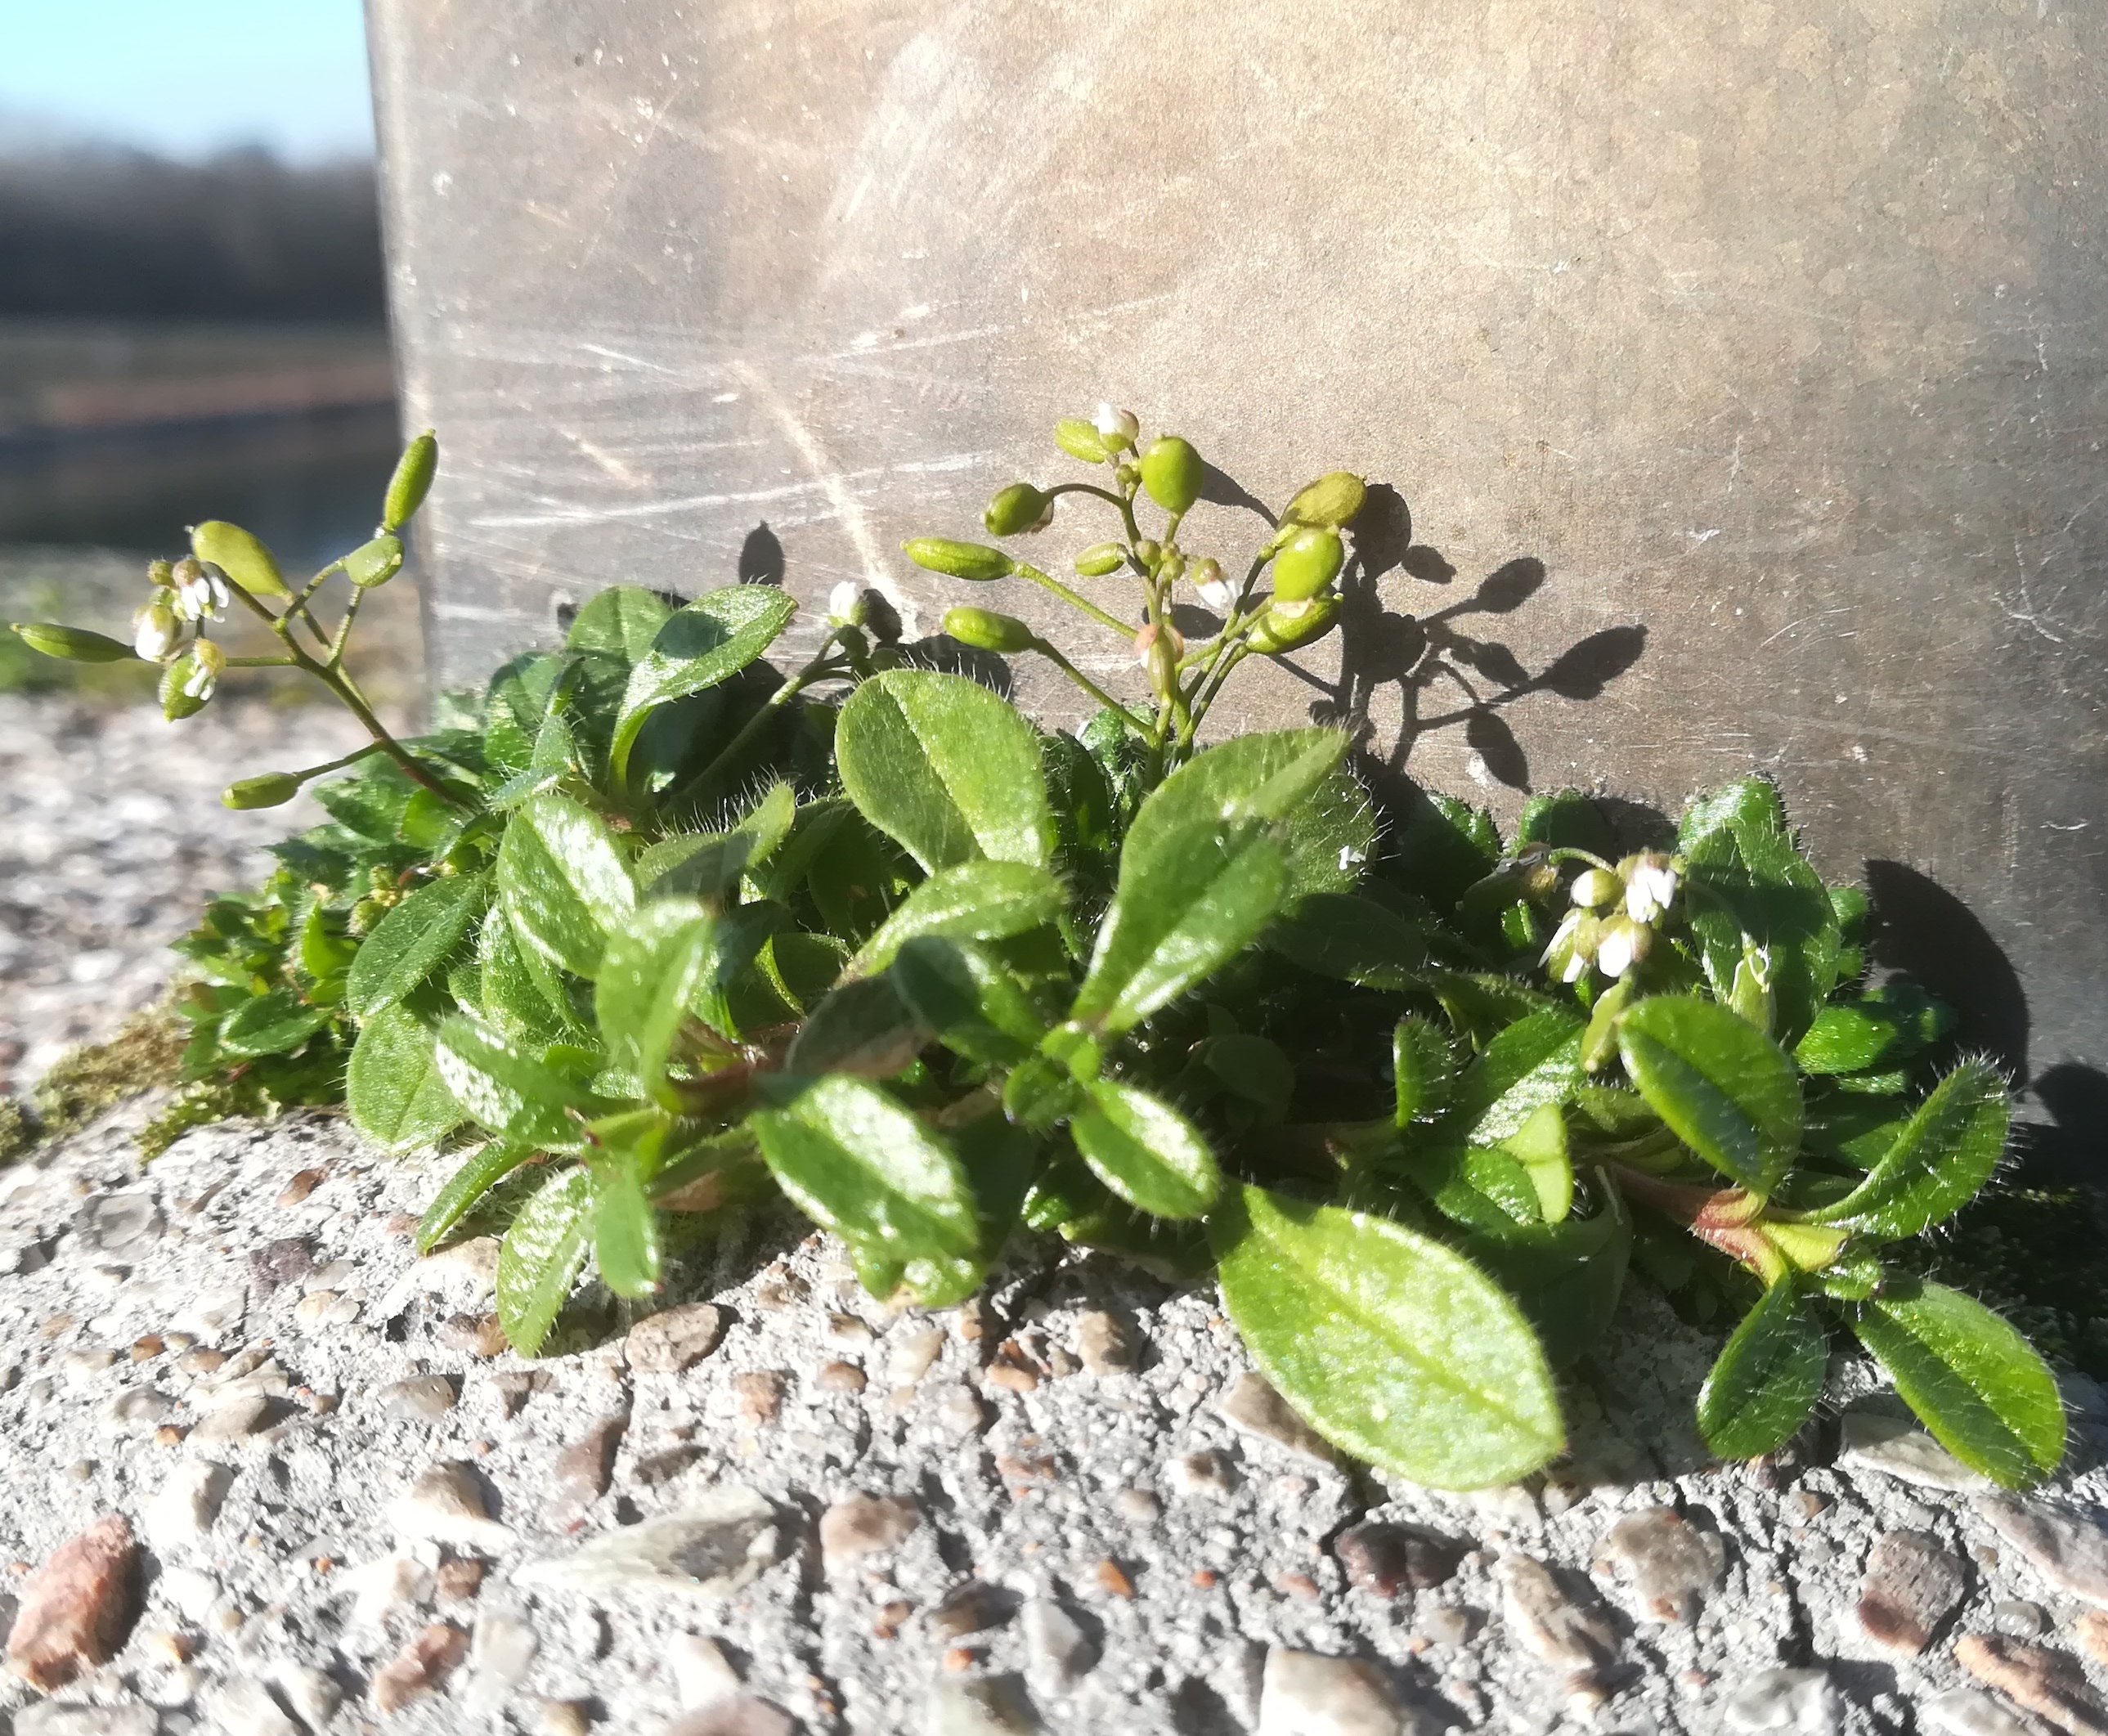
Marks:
<point>1149,552</point>
<point>1101,558</point>
<point>1118,429</point>
<point>208,663</point>
<point>1079,440</point>
<point>200,589</point>
<point>1127,475</point>
<point>1622,944</point>
<point>1329,503</point>
<point>1573,946</point>
<point>1286,625</point>
<point>156,631</point>
<point>1308,561</point>
<point>1650,886</point>
<point>1172,568</point>
<point>178,701</point>
<point>1158,650</point>
<point>986,630</point>
<point>161,572</point>
<point>1215,592</point>
<point>374,563</point>
<point>959,559</point>
<point>1018,508</point>
<point>846,607</point>
<point>365,914</point>
<point>1172,472</point>
<point>270,790</point>
<point>1598,888</point>
<point>411,482</point>
<point>238,554</point>
<point>75,644</point>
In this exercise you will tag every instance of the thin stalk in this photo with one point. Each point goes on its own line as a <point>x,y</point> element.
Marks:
<point>1090,687</point>
<point>1076,600</point>
<point>822,665</point>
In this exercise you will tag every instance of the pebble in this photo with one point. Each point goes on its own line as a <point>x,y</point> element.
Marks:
<point>989,1705</point>
<point>379,1587</point>
<point>2018,1617</point>
<point>852,1330</point>
<point>1966,1711</point>
<point>426,1396</point>
<point>325,1308</point>
<point>122,1224</point>
<point>1669,1562</point>
<point>912,1355</point>
<point>1564,1632</point>
<point>960,1412</point>
<point>2090,1631</point>
<point>1387,1559</point>
<point>213,1313</point>
<point>501,1652</point>
<point>584,1468</point>
<point>1139,1506</point>
<point>1804,1702</point>
<point>2068,1548</point>
<point>511,1390</point>
<point>471,1264</point>
<point>191,1593</point>
<point>1058,1653</point>
<point>1206,1473</point>
<point>743,1716</point>
<point>862,1525</point>
<point>972,1608</point>
<point>460,1579</point>
<point>675,1340</point>
<point>1104,1344</point>
<point>244,1706</point>
<point>77,1608</point>
<point>562,1718</point>
<point>759,1393</point>
<point>421,1667</point>
<point>235,1418</point>
<point>296,1191</point>
<point>1449,1624</point>
<point>1910,1586</point>
<point>138,1411</point>
<point>702,1674</point>
<point>840,1376</point>
<point>2049,1683</point>
<point>445,1504</point>
<point>52,1719</point>
<point>1305,1694</point>
<point>717,1542</point>
<point>278,1263</point>
<point>183,1510</point>
<point>311,1694</point>
<point>1878,1438</point>
<point>1252,1407</point>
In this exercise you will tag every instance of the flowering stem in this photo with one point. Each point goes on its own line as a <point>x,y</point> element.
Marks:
<point>823,664</point>
<point>1054,656</point>
<point>1062,591</point>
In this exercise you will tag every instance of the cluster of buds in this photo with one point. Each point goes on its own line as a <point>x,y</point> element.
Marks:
<point>185,592</point>
<point>1616,913</point>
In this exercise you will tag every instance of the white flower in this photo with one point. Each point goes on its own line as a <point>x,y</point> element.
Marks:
<point>1216,594</point>
<point>1614,952</point>
<point>207,662</point>
<point>201,590</point>
<point>1568,951</point>
<point>1649,887</point>
<point>1120,427</point>
<point>845,602</point>
<point>154,631</point>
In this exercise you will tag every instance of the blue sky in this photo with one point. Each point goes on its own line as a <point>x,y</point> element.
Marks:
<point>186,78</point>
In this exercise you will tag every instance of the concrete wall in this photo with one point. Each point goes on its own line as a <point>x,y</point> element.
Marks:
<point>1775,330</point>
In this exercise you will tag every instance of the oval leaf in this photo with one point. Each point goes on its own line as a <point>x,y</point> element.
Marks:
<point>1727,1091</point>
<point>973,901</point>
<point>270,1025</point>
<point>1767,1378</point>
<point>1535,1061</point>
<point>541,1257</point>
<point>858,1164</point>
<point>1974,1381</point>
<point>864,1027</point>
<point>393,1087</point>
<point>972,1004</point>
<point>707,642</point>
<point>563,881</point>
<point>946,769</point>
<point>652,969</point>
<point>488,1165</point>
<point>1145,1151</point>
<point>1390,1344</point>
<point>507,1090</point>
<point>413,939</point>
<point>1942,1158</point>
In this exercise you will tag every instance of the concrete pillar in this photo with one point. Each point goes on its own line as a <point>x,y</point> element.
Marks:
<point>1773,334</point>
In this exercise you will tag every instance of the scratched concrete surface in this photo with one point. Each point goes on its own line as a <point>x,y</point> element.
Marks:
<point>1775,334</point>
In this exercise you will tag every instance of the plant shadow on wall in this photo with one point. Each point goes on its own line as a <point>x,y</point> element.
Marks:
<point>649,936</point>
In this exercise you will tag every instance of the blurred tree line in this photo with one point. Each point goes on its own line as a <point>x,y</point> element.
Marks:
<point>100,231</point>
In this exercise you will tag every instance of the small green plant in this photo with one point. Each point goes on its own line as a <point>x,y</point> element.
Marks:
<point>656,932</point>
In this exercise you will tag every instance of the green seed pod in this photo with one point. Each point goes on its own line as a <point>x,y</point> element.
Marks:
<point>374,563</point>
<point>1016,509</point>
<point>1101,558</point>
<point>269,790</point>
<point>1172,471</point>
<point>1329,503</point>
<point>1080,439</point>
<point>974,561</point>
<point>177,702</point>
<point>411,482</point>
<point>75,644</point>
<point>989,631</point>
<point>1308,562</point>
<point>241,555</point>
<point>1598,888</point>
<point>1286,625</point>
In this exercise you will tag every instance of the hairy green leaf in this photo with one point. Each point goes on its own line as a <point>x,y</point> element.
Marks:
<point>969,901</point>
<point>413,939</point>
<point>541,1257</point>
<point>624,1222</point>
<point>1937,1163</point>
<point>710,865</point>
<point>1767,1377</point>
<point>1337,934</point>
<point>1390,1344</point>
<point>270,1025</point>
<point>862,1027</point>
<point>947,769</point>
<point>1145,1151</point>
<point>510,989</point>
<point>1727,1089</point>
<point>1423,1070</point>
<point>486,1166</point>
<point>563,881</point>
<point>394,1087</point>
<point>707,642</point>
<point>969,1000</point>
<point>621,622</point>
<point>1566,1277</point>
<point>507,1090</point>
<point>1534,1061</point>
<point>1974,1381</point>
<point>649,976</point>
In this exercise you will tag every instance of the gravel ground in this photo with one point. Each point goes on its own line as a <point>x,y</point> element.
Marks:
<point>276,1475</point>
